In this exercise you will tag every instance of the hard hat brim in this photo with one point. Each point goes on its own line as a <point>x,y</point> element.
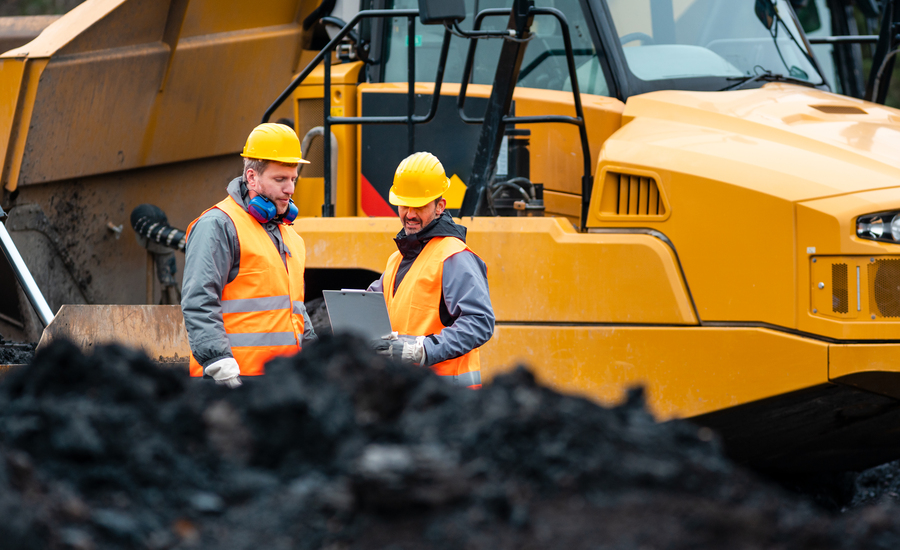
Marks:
<point>411,202</point>
<point>286,160</point>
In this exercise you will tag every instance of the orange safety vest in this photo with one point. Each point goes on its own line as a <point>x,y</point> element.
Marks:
<point>262,306</point>
<point>415,309</point>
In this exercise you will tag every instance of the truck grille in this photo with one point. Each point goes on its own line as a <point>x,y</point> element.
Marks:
<point>884,278</point>
<point>632,195</point>
<point>840,299</point>
<point>638,196</point>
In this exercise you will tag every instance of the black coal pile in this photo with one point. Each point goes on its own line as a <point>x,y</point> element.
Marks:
<point>338,448</point>
<point>880,484</point>
<point>15,353</point>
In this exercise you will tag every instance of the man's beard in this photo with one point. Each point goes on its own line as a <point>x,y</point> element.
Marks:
<point>413,232</point>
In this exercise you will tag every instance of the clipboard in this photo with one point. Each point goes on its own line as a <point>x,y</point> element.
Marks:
<point>358,312</point>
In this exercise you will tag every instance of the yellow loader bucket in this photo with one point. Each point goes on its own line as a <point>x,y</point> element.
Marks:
<point>158,330</point>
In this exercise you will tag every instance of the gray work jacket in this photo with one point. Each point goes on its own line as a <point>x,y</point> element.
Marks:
<point>468,301</point>
<point>212,259</point>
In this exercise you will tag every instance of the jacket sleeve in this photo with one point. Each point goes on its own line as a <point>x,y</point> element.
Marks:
<point>377,286</point>
<point>210,253</point>
<point>468,301</point>
<point>309,332</point>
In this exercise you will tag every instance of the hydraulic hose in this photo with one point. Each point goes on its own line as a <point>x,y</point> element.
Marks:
<point>151,223</point>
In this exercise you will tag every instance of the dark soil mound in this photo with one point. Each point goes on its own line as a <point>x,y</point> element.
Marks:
<point>12,353</point>
<point>338,448</point>
<point>881,483</point>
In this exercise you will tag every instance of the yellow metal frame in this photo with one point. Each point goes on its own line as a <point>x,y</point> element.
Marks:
<point>116,85</point>
<point>309,193</point>
<point>578,277</point>
<point>871,367</point>
<point>687,371</point>
<point>560,174</point>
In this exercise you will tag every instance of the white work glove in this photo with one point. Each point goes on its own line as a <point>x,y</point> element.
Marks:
<point>410,349</point>
<point>225,371</point>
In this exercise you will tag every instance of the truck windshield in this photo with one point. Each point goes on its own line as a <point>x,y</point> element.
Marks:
<point>544,64</point>
<point>673,39</point>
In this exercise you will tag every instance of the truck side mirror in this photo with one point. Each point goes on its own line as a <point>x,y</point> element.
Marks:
<point>438,12</point>
<point>765,12</point>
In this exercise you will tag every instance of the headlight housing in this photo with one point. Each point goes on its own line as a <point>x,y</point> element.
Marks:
<point>880,226</point>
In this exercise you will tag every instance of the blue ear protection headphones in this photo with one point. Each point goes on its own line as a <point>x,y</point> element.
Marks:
<point>264,211</point>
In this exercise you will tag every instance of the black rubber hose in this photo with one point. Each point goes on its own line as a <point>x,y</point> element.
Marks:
<point>340,24</point>
<point>150,222</point>
<point>325,8</point>
<point>497,188</point>
<point>524,182</point>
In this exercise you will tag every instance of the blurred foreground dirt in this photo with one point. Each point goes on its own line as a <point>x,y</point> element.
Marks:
<point>338,448</point>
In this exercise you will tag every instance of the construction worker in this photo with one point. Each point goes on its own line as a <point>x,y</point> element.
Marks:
<point>435,287</point>
<point>242,295</point>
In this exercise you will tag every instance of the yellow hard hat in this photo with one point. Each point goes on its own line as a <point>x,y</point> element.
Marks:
<point>271,141</point>
<point>419,179</point>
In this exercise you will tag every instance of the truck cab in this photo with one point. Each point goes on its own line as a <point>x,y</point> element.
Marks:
<point>732,252</point>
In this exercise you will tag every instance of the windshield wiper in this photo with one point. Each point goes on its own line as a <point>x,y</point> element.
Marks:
<point>770,9</point>
<point>767,76</point>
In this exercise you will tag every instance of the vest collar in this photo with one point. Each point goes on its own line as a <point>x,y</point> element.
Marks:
<point>443,226</point>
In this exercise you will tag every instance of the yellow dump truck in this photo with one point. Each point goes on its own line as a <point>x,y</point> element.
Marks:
<point>665,192</point>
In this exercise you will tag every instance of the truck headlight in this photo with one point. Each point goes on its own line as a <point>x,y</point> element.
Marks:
<point>880,226</point>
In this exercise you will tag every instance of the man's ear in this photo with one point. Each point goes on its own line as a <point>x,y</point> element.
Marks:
<point>252,179</point>
<point>440,206</point>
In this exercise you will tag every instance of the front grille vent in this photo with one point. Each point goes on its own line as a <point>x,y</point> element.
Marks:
<point>631,195</point>
<point>884,287</point>
<point>840,299</point>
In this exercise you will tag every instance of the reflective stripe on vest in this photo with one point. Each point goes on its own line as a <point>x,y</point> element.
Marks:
<point>466,379</point>
<point>260,306</point>
<point>247,305</point>
<point>249,339</point>
<point>415,308</point>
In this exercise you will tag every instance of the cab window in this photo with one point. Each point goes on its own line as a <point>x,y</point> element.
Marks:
<point>544,65</point>
<point>675,39</point>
